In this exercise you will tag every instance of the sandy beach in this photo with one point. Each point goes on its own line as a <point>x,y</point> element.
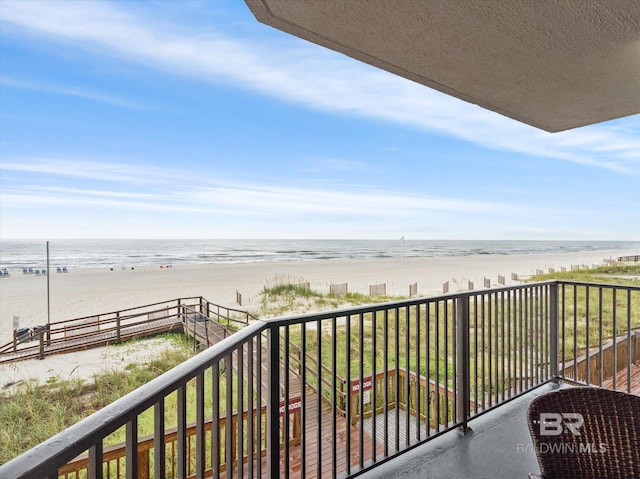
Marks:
<point>85,292</point>
<point>79,365</point>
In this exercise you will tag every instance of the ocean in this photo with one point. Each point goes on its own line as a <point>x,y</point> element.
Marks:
<point>17,254</point>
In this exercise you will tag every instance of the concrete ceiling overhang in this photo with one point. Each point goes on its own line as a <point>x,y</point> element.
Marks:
<point>553,64</point>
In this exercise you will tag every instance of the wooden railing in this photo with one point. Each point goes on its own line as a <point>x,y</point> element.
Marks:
<point>231,317</point>
<point>604,362</point>
<point>114,327</point>
<point>629,259</point>
<point>439,397</point>
<point>114,457</point>
<point>92,331</point>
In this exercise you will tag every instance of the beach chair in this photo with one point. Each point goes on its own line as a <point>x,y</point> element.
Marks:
<point>25,271</point>
<point>37,272</point>
<point>23,336</point>
<point>44,272</point>
<point>64,270</point>
<point>587,432</point>
<point>30,270</point>
<point>58,270</point>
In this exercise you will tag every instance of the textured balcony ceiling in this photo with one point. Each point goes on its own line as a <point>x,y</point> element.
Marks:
<point>555,65</point>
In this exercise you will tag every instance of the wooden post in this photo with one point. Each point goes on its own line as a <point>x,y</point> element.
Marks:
<point>434,411</point>
<point>15,340</point>
<point>118,326</point>
<point>41,355</point>
<point>297,426</point>
<point>206,329</point>
<point>354,408</point>
<point>143,464</point>
<point>195,340</point>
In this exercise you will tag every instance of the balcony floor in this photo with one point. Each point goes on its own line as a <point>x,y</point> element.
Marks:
<point>499,446</point>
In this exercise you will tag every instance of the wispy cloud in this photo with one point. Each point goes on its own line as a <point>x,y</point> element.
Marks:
<point>306,74</point>
<point>104,170</point>
<point>71,91</point>
<point>170,190</point>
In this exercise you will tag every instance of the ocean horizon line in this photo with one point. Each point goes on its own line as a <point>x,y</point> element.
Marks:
<point>87,253</point>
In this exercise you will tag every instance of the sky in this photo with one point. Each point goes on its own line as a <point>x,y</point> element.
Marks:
<point>192,120</point>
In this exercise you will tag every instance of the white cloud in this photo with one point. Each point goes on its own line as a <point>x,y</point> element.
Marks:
<point>173,191</point>
<point>71,91</point>
<point>310,75</point>
<point>104,170</point>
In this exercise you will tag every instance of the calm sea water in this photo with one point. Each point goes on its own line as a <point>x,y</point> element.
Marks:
<point>110,253</point>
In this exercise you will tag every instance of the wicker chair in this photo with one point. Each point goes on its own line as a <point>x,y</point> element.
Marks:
<point>603,443</point>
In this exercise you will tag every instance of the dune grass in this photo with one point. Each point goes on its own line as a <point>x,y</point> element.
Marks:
<point>623,274</point>
<point>40,411</point>
<point>585,306</point>
<point>581,316</point>
<point>286,295</point>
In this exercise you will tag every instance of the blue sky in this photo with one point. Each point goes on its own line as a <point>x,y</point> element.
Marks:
<point>192,120</point>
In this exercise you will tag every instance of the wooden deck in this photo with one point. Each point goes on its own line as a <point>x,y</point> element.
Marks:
<point>622,377</point>
<point>292,459</point>
<point>351,434</point>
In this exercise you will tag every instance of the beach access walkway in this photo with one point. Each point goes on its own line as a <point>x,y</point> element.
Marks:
<point>111,328</point>
<point>193,317</point>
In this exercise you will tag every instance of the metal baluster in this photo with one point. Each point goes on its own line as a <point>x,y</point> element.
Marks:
<point>200,439</point>
<point>131,434</point>
<point>334,388</point>
<point>159,446</point>
<point>94,468</point>
<point>286,418</point>
<point>251,407</point>
<point>215,420</point>
<point>182,430</point>
<point>349,393</point>
<point>319,398</point>
<point>273,406</point>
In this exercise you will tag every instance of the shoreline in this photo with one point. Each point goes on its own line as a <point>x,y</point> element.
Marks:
<point>92,291</point>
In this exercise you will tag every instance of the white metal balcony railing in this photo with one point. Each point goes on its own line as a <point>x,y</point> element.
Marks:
<point>337,393</point>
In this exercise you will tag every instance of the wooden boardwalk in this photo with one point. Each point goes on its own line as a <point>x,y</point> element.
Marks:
<point>106,328</point>
<point>301,460</point>
<point>352,434</point>
<point>74,343</point>
<point>208,333</point>
<point>621,380</point>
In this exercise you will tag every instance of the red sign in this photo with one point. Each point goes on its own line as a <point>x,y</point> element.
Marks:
<point>295,405</point>
<point>367,384</point>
